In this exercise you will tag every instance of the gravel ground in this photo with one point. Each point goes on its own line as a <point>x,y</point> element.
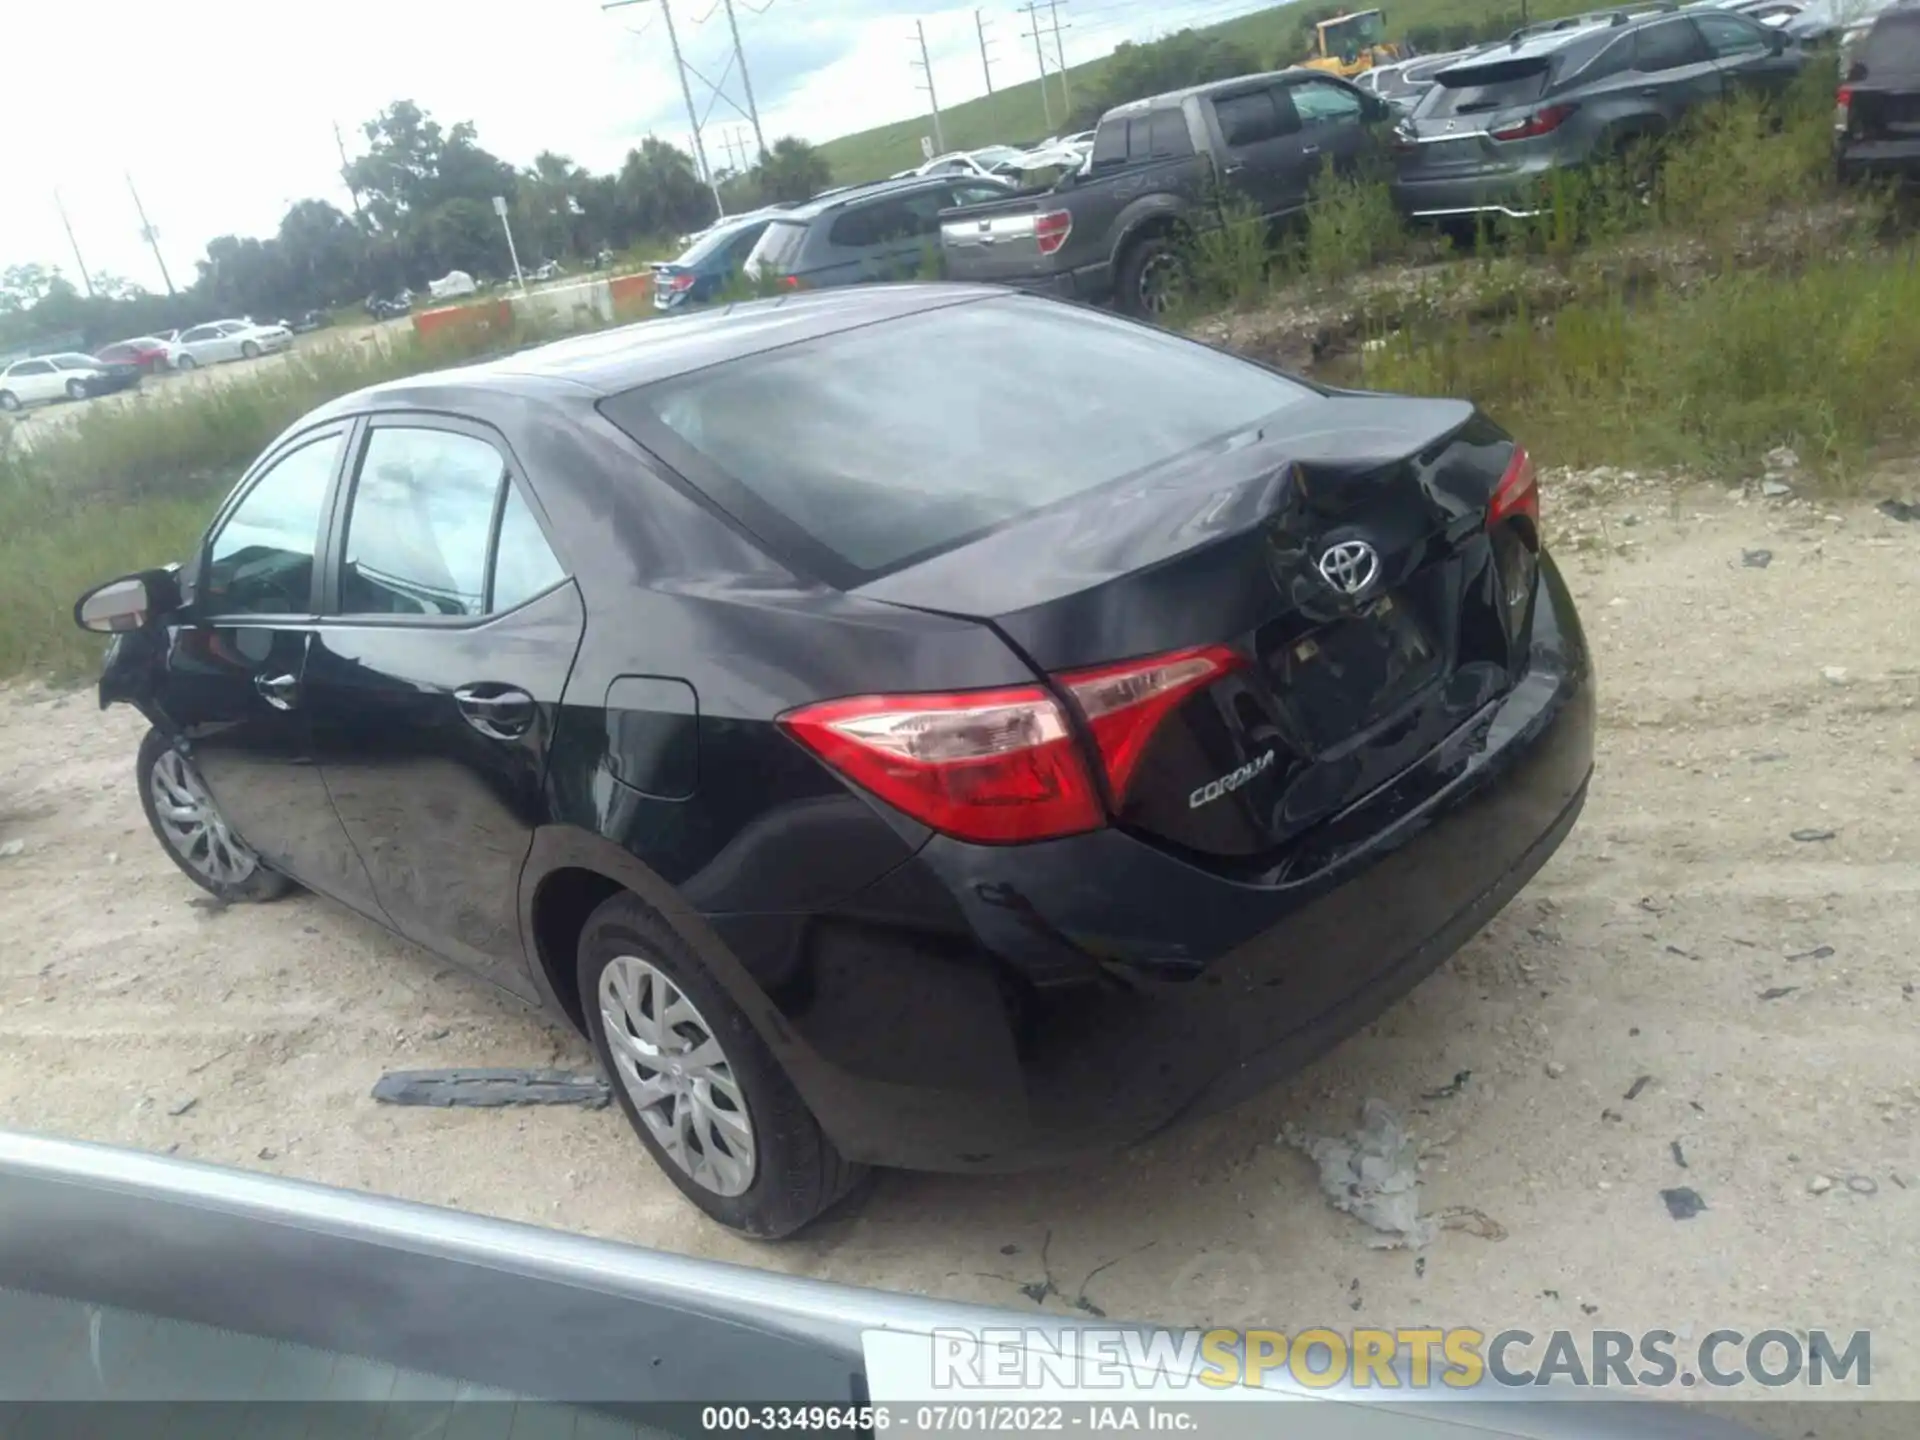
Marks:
<point>1689,995</point>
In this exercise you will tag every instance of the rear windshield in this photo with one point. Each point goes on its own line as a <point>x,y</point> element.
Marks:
<point>714,241</point>
<point>1474,89</point>
<point>779,247</point>
<point>1893,46</point>
<point>891,442</point>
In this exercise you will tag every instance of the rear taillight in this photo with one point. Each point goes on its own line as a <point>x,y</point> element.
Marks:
<point>1124,704</point>
<point>1544,121</point>
<point>994,766</point>
<point>1003,766</point>
<point>792,282</point>
<point>1517,494</point>
<point>1051,230</point>
<point>683,282</point>
<point>1842,107</point>
<point>1516,546</point>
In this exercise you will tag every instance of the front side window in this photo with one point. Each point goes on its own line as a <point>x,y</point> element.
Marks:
<point>1731,35</point>
<point>1668,46</point>
<point>418,528</point>
<point>260,561</point>
<point>1320,103</point>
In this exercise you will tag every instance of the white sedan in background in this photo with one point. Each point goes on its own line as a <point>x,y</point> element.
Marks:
<point>68,376</point>
<point>228,340</point>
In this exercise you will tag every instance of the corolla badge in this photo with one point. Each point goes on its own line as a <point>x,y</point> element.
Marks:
<point>1350,566</point>
<point>1227,784</point>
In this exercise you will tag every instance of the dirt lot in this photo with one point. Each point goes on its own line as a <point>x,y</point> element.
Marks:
<point>1764,985</point>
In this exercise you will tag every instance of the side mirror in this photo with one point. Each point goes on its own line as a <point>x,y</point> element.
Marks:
<point>1374,108</point>
<point>128,603</point>
<point>1776,42</point>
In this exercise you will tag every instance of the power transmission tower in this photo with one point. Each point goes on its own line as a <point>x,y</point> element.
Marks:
<point>746,84</point>
<point>686,91</point>
<point>980,28</point>
<point>150,235</point>
<point>1031,10</point>
<point>68,226</point>
<point>939,140</point>
<point>1060,54</point>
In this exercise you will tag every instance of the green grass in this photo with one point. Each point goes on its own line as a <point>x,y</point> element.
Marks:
<point>1014,113</point>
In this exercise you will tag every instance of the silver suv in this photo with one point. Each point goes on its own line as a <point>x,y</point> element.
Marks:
<point>1495,125</point>
<point>863,233</point>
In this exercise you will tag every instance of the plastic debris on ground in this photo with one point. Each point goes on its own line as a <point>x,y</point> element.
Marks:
<point>1373,1175</point>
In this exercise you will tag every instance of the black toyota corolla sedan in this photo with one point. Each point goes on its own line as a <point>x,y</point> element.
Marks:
<point>911,725</point>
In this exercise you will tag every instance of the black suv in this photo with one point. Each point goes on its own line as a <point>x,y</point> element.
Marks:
<point>1876,116</point>
<point>1493,128</point>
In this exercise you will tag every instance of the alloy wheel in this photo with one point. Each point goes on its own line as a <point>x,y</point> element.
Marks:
<point>193,825</point>
<point>1160,283</point>
<point>680,1081</point>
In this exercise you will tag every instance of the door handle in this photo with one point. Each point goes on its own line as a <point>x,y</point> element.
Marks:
<point>1309,149</point>
<point>280,691</point>
<point>1235,168</point>
<point>498,712</point>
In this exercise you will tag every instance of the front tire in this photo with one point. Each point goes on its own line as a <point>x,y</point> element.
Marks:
<point>697,1083</point>
<point>76,390</point>
<point>9,401</point>
<point>249,350</point>
<point>191,830</point>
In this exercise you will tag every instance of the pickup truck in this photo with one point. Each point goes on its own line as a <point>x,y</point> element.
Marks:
<point>1157,170</point>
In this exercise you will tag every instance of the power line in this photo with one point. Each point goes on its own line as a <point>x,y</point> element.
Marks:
<point>939,140</point>
<point>986,65</point>
<point>67,224</point>
<point>746,81</point>
<point>686,91</point>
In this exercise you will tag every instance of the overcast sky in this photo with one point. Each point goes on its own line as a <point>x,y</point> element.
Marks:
<point>223,110</point>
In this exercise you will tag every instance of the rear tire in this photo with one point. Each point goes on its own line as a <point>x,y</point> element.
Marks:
<point>76,390</point>
<point>190,829</point>
<point>739,1142</point>
<point>9,401</point>
<point>1153,278</point>
<point>185,362</point>
<point>249,350</point>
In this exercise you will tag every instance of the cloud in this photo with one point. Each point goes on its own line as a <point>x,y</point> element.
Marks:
<point>224,111</point>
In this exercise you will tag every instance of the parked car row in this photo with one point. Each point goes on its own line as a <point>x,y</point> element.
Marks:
<point>42,379</point>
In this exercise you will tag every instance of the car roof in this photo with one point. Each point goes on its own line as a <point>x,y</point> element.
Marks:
<point>1170,98</point>
<point>610,362</point>
<point>824,203</point>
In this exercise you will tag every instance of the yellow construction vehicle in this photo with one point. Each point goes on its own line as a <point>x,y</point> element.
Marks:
<point>1350,45</point>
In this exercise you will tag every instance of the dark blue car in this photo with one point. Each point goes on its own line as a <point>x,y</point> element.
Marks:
<point>715,257</point>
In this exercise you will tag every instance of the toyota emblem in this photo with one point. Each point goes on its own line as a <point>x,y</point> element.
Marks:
<point>1350,567</point>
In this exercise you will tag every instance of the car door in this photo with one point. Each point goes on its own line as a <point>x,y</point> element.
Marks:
<point>1750,57</point>
<point>435,679</point>
<point>1260,142</point>
<point>236,661</point>
<point>33,381</point>
<point>1673,69</point>
<point>1333,126</point>
<point>196,344</point>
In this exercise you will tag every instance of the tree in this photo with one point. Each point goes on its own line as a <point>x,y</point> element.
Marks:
<point>1183,58</point>
<point>411,171</point>
<point>324,254</point>
<point>548,213</point>
<point>24,286</point>
<point>792,170</point>
<point>659,192</point>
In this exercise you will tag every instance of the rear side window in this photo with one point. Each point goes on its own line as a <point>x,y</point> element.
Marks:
<point>420,523</point>
<point>1247,119</point>
<point>1110,143</point>
<point>1668,46</point>
<point>1478,89</point>
<point>1731,35</point>
<point>1893,46</point>
<point>779,249</point>
<point>1167,132</point>
<point>890,442</point>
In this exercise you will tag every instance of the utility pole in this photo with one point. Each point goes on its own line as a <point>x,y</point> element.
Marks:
<point>1060,54</point>
<point>67,224</point>
<point>352,189</point>
<point>746,84</point>
<point>151,236</point>
<point>939,140</point>
<point>980,28</point>
<point>686,92</point>
<point>1032,12</point>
